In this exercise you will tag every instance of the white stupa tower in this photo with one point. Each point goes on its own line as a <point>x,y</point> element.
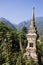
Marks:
<point>32,39</point>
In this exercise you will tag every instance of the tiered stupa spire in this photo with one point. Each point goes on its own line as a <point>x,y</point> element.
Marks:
<point>32,40</point>
<point>32,25</point>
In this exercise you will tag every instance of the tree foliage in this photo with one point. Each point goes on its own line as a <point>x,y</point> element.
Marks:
<point>10,50</point>
<point>24,30</point>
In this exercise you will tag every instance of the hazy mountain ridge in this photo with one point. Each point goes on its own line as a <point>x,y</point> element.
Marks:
<point>38,22</point>
<point>7,23</point>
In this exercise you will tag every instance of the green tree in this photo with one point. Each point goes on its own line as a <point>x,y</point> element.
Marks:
<point>24,30</point>
<point>40,52</point>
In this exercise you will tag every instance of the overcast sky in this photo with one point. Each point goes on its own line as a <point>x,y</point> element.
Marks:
<point>19,10</point>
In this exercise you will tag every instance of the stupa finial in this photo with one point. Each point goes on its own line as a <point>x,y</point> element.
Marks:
<point>33,18</point>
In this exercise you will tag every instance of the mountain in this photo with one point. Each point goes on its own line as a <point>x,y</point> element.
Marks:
<point>7,23</point>
<point>38,22</point>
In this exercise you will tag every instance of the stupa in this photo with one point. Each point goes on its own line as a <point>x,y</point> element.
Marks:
<point>32,40</point>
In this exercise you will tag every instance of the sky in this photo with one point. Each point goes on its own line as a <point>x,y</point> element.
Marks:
<point>17,11</point>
